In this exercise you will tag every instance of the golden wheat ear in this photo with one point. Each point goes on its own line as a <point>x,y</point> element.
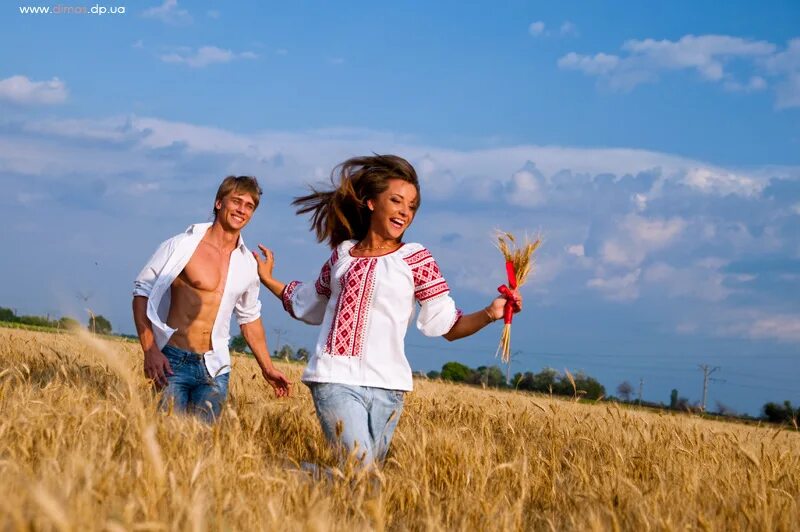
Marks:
<point>522,259</point>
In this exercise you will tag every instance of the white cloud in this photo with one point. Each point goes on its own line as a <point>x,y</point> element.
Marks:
<point>525,189</point>
<point>640,202</point>
<point>644,61</point>
<point>653,233</point>
<point>783,327</point>
<point>788,60</point>
<point>715,181</point>
<point>169,13</point>
<point>694,282</point>
<point>576,250</point>
<point>568,29</point>
<point>598,65</point>
<point>754,84</point>
<point>637,236</point>
<point>536,28</point>
<point>788,92</point>
<point>760,325</point>
<point>204,56</point>
<point>539,29</point>
<point>618,288</point>
<point>599,243</point>
<point>21,90</point>
<point>704,53</point>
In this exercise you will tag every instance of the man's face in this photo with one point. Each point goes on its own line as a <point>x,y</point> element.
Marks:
<point>235,210</point>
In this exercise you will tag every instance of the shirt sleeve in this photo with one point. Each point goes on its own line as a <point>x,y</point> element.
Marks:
<point>143,285</point>
<point>248,307</point>
<point>307,301</point>
<point>438,312</point>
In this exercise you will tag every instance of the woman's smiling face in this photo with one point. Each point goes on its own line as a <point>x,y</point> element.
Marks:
<point>393,209</point>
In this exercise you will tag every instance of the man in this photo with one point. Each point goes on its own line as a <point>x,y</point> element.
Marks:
<point>183,300</point>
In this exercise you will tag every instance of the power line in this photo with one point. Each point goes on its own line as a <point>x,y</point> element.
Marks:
<point>554,354</point>
<point>646,370</point>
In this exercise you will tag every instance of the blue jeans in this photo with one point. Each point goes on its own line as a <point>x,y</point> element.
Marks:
<point>190,388</point>
<point>357,418</point>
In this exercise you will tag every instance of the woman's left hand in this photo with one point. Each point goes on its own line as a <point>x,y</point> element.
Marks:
<point>496,308</point>
<point>266,262</point>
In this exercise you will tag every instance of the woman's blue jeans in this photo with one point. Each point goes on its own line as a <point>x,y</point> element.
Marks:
<point>190,388</point>
<point>359,419</point>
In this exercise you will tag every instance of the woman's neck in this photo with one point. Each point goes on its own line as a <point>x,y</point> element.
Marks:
<point>374,242</point>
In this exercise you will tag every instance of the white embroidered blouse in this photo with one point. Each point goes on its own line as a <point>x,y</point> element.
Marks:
<point>365,305</point>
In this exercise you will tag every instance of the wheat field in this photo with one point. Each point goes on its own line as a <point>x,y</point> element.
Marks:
<point>82,447</point>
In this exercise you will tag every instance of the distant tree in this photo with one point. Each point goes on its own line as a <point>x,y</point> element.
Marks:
<point>302,354</point>
<point>544,382</point>
<point>683,404</point>
<point>434,374</point>
<point>625,389</point>
<point>673,399</point>
<point>69,324</point>
<point>39,321</point>
<point>725,410</point>
<point>286,352</point>
<point>495,377</point>
<point>456,372</point>
<point>238,343</point>
<point>780,413</point>
<point>585,386</point>
<point>488,376</point>
<point>7,314</point>
<point>101,324</point>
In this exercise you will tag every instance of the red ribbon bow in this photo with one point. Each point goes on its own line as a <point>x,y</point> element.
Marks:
<point>506,291</point>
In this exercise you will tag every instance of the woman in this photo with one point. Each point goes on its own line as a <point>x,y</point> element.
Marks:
<point>364,298</point>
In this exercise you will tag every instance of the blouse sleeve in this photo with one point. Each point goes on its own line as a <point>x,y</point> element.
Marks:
<point>438,312</point>
<point>307,301</point>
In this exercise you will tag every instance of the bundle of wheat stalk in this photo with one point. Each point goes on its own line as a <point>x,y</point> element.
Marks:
<point>519,263</point>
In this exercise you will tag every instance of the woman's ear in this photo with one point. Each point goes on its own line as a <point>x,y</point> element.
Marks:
<point>370,205</point>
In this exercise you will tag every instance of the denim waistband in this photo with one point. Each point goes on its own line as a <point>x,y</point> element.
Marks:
<point>177,351</point>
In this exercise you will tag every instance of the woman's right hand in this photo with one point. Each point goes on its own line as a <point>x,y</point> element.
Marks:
<point>266,263</point>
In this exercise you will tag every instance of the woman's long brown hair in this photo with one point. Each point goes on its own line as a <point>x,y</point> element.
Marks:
<point>341,213</point>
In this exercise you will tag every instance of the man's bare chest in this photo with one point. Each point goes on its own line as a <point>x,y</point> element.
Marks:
<point>207,270</point>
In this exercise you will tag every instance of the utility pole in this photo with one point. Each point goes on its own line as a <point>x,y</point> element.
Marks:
<point>707,371</point>
<point>641,385</point>
<point>508,366</point>
<point>278,333</point>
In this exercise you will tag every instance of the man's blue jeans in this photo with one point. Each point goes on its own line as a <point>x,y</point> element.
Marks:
<point>358,418</point>
<point>190,388</point>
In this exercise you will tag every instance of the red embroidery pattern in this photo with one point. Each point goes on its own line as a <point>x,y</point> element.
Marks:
<point>323,283</point>
<point>286,297</point>
<point>346,337</point>
<point>428,280</point>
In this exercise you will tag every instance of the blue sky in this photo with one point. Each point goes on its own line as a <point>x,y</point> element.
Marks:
<point>656,148</point>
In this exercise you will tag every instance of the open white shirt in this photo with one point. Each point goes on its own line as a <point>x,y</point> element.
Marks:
<point>240,295</point>
<point>365,305</point>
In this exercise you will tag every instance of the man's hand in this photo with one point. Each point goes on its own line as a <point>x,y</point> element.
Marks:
<point>278,381</point>
<point>156,367</point>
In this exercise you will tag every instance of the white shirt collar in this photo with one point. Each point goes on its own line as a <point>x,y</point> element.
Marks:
<point>201,228</point>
